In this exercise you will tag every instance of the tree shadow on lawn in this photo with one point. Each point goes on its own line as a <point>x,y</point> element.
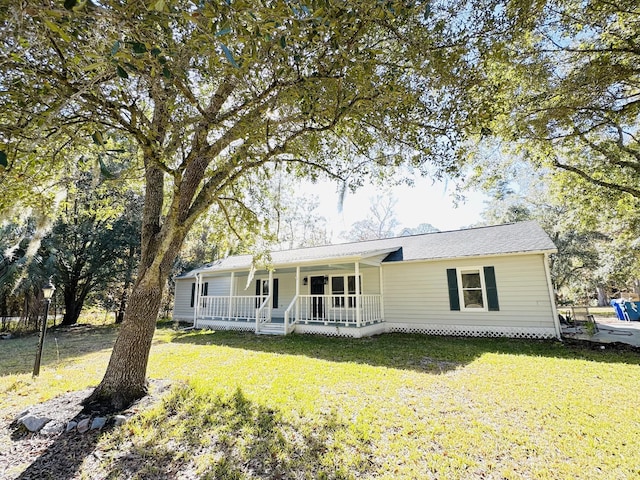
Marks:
<point>207,435</point>
<point>17,355</point>
<point>63,458</point>
<point>200,434</point>
<point>433,354</point>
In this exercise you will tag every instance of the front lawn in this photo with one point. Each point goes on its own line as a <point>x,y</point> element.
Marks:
<point>392,406</point>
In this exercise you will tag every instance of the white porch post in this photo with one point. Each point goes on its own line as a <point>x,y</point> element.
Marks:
<point>358,299</point>
<point>381,304</point>
<point>297,293</point>
<point>270,296</point>
<point>231,284</point>
<point>196,302</point>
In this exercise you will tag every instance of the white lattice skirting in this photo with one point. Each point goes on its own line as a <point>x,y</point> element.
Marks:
<point>224,325</point>
<point>473,331</point>
<point>336,331</point>
<point>375,329</point>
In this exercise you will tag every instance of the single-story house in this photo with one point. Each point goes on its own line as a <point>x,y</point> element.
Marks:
<point>486,281</point>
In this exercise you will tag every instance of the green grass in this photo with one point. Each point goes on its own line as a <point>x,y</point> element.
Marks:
<point>392,406</point>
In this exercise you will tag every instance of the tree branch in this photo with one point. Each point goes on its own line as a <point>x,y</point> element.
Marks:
<point>614,186</point>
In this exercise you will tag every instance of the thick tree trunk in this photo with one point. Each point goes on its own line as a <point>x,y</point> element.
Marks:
<point>71,310</point>
<point>127,282</point>
<point>74,298</point>
<point>121,307</point>
<point>125,378</point>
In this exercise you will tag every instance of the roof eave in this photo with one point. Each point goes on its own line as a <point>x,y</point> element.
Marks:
<point>304,263</point>
<point>486,255</point>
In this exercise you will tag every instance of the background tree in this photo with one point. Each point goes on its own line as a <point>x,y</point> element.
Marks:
<point>419,230</point>
<point>380,223</point>
<point>299,224</point>
<point>214,95</point>
<point>94,240</point>
<point>561,92</point>
<point>594,258</point>
<point>22,273</point>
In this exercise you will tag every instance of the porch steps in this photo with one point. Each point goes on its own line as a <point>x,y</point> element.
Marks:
<point>271,329</point>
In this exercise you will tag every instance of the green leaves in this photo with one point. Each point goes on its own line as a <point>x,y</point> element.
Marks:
<point>116,48</point>
<point>104,170</point>
<point>229,55</point>
<point>122,73</point>
<point>74,5</point>
<point>138,48</point>
<point>160,6</point>
<point>98,139</point>
<point>222,32</point>
<point>55,28</point>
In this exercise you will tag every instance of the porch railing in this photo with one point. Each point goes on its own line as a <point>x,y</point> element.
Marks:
<point>318,309</point>
<point>263,312</point>
<point>230,308</point>
<point>334,310</point>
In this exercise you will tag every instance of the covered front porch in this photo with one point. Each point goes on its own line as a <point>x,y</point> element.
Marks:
<point>338,299</point>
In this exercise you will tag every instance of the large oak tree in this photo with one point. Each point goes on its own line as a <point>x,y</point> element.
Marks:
<point>563,90</point>
<point>216,94</point>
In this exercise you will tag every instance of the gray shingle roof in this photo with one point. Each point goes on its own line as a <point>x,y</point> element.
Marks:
<point>521,237</point>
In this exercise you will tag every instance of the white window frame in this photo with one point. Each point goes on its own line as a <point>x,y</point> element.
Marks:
<point>346,295</point>
<point>480,270</point>
<point>264,283</point>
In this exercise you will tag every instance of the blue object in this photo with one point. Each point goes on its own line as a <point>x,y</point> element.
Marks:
<point>632,309</point>
<point>620,310</point>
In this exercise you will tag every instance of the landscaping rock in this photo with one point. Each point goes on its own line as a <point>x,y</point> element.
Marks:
<point>119,420</point>
<point>34,423</point>
<point>98,423</point>
<point>22,414</point>
<point>52,428</point>
<point>71,425</point>
<point>83,425</point>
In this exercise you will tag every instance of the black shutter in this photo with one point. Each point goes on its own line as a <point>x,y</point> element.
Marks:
<point>452,280</point>
<point>258,302</point>
<point>492,291</point>
<point>205,289</point>
<point>275,293</point>
<point>193,294</point>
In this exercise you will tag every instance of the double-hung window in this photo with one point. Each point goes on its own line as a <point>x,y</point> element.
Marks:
<point>340,297</point>
<point>472,289</point>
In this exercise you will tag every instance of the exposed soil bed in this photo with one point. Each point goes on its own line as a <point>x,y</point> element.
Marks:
<point>31,455</point>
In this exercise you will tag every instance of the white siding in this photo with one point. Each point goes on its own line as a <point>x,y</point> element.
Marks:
<point>182,309</point>
<point>218,286</point>
<point>416,294</point>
